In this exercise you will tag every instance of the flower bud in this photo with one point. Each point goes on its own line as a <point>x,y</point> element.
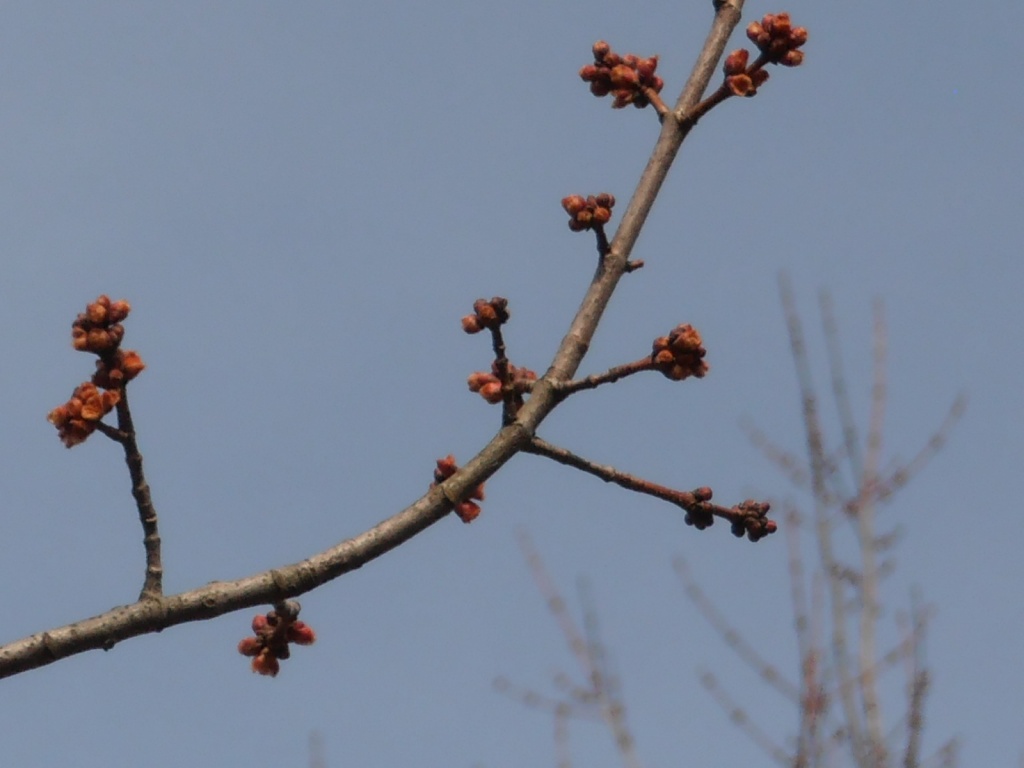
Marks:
<point>573,204</point>
<point>250,646</point>
<point>645,67</point>
<point>624,77</point>
<point>792,58</point>
<point>736,62</point>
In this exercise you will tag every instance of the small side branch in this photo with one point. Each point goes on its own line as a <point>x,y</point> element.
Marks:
<point>152,586</point>
<point>748,518</point>
<point>566,388</point>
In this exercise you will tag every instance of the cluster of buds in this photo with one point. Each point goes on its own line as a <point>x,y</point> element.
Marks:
<point>754,524</point>
<point>273,632</point>
<point>488,385</point>
<point>467,510</point>
<point>750,519</point>
<point>116,369</point>
<point>588,212</point>
<point>738,79</point>
<point>699,516</point>
<point>630,79</point>
<point>680,354</point>
<point>486,314</point>
<point>78,417</point>
<point>778,40</point>
<point>97,330</point>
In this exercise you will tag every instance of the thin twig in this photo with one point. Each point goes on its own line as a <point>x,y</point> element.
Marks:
<point>840,395</point>
<point>903,473</point>
<point>917,686</point>
<point>816,452</point>
<point>566,388</point>
<point>696,503</point>
<point>732,637</point>
<point>152,587</point>
<point>739,717</point>
<point>865,516</point>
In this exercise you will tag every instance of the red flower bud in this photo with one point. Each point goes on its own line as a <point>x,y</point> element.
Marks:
<point>792,58</point>
<point>266,664</point>
<point>645,67</point>
<point>736,62</point>
<point>300,633</point>
<point>624,76</point>
<point>573,204</point>
<point>250,646</point>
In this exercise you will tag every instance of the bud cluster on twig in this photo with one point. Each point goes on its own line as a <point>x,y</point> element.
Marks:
<point>273,632</point>
<point>778,40</point>
<point>489,386</point>
<point>467,510</point>
<point>680,354</point>
<point>591,212</point>
<point>630,79</point>
<point>779,43</point>
<point>490,315</point>
<point>97,330</point>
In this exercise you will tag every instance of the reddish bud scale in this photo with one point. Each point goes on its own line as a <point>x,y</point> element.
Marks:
<point>645,68</point>
<point>467,511</point>
<point>477,379</point>
<point>736,62</point>
<point>266,664</point>
<point>624,77</point>
<point>792,59</point>
<point>573,204</point>
<point>492,392</point>
<point>446,467</point>
<point>623,99</point>
<point>300,633</point>
<point>250,646</point>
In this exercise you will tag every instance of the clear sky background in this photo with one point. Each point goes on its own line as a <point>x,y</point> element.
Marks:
<point>300,200</point>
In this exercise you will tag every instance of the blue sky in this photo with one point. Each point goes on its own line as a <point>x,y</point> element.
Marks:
<point>301,201</point>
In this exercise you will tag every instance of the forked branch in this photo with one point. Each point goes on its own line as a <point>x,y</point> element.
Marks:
<point>453,486</point>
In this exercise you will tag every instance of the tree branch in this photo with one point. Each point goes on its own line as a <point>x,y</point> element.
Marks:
<point>158,612</point>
